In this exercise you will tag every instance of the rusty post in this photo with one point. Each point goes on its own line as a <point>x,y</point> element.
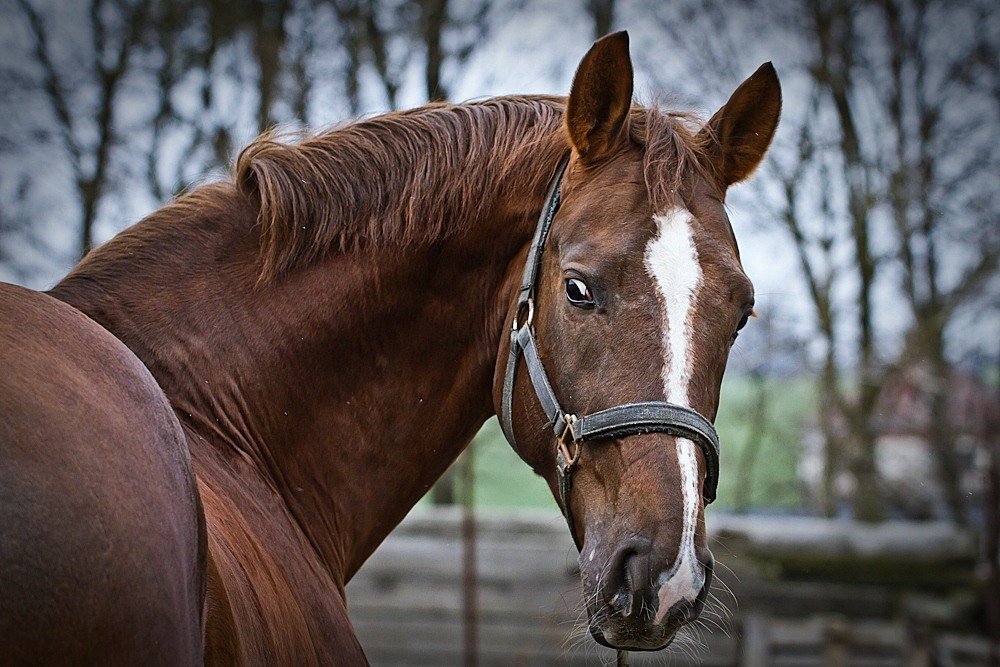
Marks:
<point>469,602</point>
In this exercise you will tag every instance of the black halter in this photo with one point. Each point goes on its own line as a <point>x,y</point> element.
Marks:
<point>572,430</point>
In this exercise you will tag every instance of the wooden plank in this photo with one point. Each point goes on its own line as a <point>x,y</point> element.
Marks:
<point>432,651</point>
<point>406,601</point>
<point>755,645</point>
<point>528,559</point>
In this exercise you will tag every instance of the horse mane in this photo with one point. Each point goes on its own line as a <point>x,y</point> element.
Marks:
<point>401,177</point>
<point>676,146</point>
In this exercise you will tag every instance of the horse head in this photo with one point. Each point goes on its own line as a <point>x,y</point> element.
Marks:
<point>637,299</point>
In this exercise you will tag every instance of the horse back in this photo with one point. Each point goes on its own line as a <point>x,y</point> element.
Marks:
<point>101,531</point>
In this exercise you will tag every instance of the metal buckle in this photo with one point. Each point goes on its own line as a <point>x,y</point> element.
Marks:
<point>531,315</point>
<point>568,433</point>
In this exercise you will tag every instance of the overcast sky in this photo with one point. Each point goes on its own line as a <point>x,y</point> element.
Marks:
<point>532,50</point>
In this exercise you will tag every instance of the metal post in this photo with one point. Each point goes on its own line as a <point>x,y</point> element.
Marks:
<point>469,602</point>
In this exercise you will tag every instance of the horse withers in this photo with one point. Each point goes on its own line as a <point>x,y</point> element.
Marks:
<point>209,425</point>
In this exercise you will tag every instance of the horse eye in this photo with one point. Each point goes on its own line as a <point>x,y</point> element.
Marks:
<point>743,323</point>
<point>578,293</point>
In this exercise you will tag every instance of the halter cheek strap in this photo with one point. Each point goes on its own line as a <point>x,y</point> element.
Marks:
<point>570,430</point>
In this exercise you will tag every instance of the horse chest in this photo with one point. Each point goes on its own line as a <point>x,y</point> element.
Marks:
<point>268,598</point>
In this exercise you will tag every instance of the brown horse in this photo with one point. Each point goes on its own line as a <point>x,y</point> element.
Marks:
<point>217,416</point>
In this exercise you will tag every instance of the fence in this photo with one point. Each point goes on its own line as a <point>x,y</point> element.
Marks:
<point>803,592</point>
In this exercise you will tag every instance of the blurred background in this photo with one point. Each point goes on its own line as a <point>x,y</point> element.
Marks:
<point>857,519</point>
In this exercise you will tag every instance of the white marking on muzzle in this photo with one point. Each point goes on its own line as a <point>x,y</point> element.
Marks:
<point>672,262</point>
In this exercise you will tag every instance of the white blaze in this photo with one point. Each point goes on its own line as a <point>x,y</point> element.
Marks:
<point>672,261</point>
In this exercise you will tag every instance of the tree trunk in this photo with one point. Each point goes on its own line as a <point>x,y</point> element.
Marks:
<point>603,14</point>
<point>867,498</point>
<point>991,540</point>
<point>752,444</point>
<point>269,43</point>
<point>90,196</point>
<point>827,412</point>
<point>838,45</point>
<point>941,435</point>
<point>434,14</point>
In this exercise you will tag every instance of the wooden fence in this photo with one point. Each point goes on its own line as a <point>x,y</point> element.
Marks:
<point>798,592</point>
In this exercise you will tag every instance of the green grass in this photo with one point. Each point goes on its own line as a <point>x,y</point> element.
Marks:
<point>503,480</point>
<point>770,479</point>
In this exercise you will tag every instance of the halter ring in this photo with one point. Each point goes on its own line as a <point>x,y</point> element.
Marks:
<point>531,315</point>
<point>569,435</point>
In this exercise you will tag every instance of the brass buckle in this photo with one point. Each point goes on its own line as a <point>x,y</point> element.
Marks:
<point>570,434</point>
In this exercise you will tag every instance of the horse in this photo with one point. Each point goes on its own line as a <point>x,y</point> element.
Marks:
<point>215,418</point>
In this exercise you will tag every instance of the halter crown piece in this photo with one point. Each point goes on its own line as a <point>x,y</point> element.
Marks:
<point>571,431</point>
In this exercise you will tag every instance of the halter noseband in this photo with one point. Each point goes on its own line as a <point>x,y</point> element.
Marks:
<point>570,430</point>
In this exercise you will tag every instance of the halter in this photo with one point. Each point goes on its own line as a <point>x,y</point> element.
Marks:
<point>572,431</point>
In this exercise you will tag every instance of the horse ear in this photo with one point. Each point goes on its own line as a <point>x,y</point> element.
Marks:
<point>601,97</point>
<point>739,133</point>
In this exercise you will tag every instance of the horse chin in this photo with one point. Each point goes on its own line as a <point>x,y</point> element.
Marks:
<point>629,637</point>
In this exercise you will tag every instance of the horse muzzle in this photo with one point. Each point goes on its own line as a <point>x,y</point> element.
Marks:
<point>630,607</point>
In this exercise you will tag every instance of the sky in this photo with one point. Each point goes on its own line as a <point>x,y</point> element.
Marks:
<point>533,48</point>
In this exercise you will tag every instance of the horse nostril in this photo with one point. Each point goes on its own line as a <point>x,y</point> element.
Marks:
<point>628,575</point>
<point>685,586</point>
<point>688,610</point>
<point>707,561</point>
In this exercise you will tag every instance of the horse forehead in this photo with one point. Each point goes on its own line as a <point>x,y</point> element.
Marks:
<point>703,222</point>
<point>614,181</point>
<point>672,261</point>
<point>612,217</point>
<point>697,276</point>
<point>609,219</point>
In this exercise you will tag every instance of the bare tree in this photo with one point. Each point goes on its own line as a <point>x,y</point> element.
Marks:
<point>911,141</point>
<point>115,31</point>
<point>196,41</point>
<point>834,68</point>
<point>935,191</point>
<point>602,13</point>
<point>22,245</point>
<point>268,27</point>
<point>874,178</point>
<point>304,43</point>
<point>366,39</point>
<point>210,44</point>
<point>387,35</point>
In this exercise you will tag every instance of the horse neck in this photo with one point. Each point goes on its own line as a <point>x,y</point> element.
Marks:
<point>350,384</point>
